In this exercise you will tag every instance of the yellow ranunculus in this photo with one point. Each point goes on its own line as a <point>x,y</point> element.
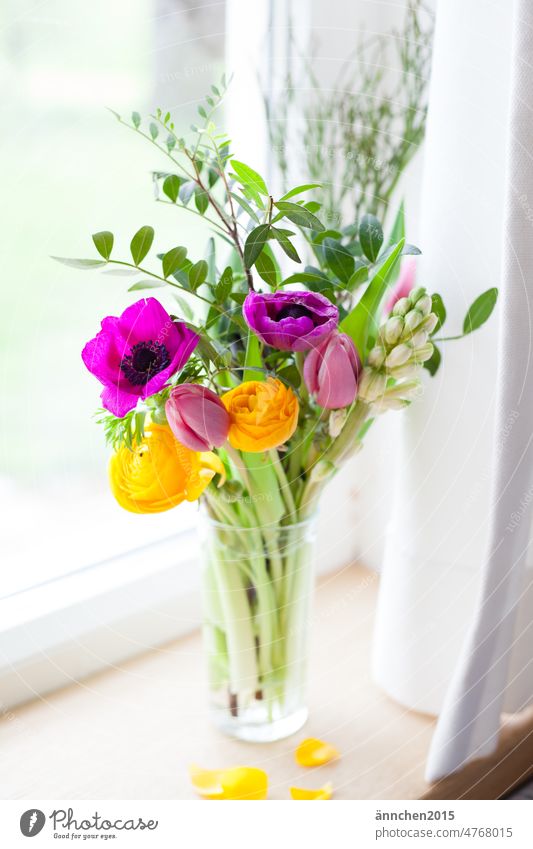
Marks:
<point>263,414</point>
<point>160,472</point>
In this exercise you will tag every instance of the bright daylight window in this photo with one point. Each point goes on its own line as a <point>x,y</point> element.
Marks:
<point>58,513</point>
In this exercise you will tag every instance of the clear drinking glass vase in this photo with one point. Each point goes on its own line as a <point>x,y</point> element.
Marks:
<point>257,584</point>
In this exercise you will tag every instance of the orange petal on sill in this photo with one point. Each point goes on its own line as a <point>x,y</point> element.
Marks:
<point>301,793</point>
<point>312,752</point>
<point>238,782</point>
<point>207,782</point>
<point>245,782</point>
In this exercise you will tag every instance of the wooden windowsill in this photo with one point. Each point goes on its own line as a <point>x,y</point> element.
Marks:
<point>132,731</point>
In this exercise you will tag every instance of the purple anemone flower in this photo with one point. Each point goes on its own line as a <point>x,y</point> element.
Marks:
<point>134,355</point>
<point>290,321</point>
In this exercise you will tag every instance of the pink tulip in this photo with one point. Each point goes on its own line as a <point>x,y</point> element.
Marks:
<point>403,285</point>
<point>197,417</point>
<point>331,371</point>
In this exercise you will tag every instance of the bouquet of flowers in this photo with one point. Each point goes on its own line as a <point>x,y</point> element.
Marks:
<point>253,395</point>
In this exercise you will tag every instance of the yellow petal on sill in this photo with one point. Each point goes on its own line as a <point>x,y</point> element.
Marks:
<point>301,793</point>
<point>312,752</point>
<point>245,782</point>
<point>238,782</point>
<point>207,782</point>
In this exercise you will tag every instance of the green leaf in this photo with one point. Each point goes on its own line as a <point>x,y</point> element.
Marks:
<point>186,191</point>
<point>248,177</point>
<point>266,270</point>
<point>253,359</point>
<point>141,244</point>
<point>362,321</point>
<point>254,243</point>
<point>171,187</point>
<point>173,259</point>
<point>290,374</point>
<point>146,284</point>
<point>338,259</point>
<point>286,244</point>
<point>243,203</point>
<point>370,236</point>
<point>433,363</point>
<point>326,234</point>
<point>198,274</point>
<point>437,306</point>
<point>154,131</point>
<point>398,228</point>
<point>184,307</point>
<point>307,277</point>
<point>103,243</point>
<point>238,297</point>
<point>300,189</point>
<point>136,120</point>
<point>171,143</point>
<point>201,199</point>
<point>359,276</point>
<point>480,310</point>
<point>224,285</point>
<point>299,215</point>
<point>85,264</point>
<point>211,258</point>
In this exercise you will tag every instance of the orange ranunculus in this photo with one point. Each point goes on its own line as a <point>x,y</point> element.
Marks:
<point>263,414</point>
<point>160,472</point>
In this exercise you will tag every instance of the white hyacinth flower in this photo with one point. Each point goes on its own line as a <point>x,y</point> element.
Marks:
<point>372,385</point>
<point>399,356</point>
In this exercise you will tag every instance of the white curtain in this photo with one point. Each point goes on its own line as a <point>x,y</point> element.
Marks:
<point>454,632</point>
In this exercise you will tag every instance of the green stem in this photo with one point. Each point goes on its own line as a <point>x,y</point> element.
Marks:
<point>285,488</point>
<point>338,450</point>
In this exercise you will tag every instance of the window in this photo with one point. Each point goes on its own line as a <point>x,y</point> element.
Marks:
<point>69,170</point>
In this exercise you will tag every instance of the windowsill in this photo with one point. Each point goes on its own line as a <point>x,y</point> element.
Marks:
<point>130,732</point>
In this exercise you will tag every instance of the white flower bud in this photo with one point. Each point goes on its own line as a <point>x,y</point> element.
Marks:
<point>424,305</point>
<point>407,390</point>
<point>399,356</point>
<point>408,370</point>
<point>372,385</point>
<point>393,329</point>
<point>429,324</point>
<point>412,320</point>
<point>401,307</point>
<point>416,294</point>
<point>420,338</point>
<point>336,422</point>
<point>389,404</point>
<point>425,352</point>
<point>377,356</point>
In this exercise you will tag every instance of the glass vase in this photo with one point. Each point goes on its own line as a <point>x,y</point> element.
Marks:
<point>257,584</point>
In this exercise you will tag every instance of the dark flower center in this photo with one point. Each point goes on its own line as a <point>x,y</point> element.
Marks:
<point>145,360</point>
<point>294,311</point>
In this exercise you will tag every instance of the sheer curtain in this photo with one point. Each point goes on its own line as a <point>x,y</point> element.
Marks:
<point>453,633</point>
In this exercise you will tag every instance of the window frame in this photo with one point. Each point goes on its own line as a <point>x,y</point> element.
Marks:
<point>75,625</point>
